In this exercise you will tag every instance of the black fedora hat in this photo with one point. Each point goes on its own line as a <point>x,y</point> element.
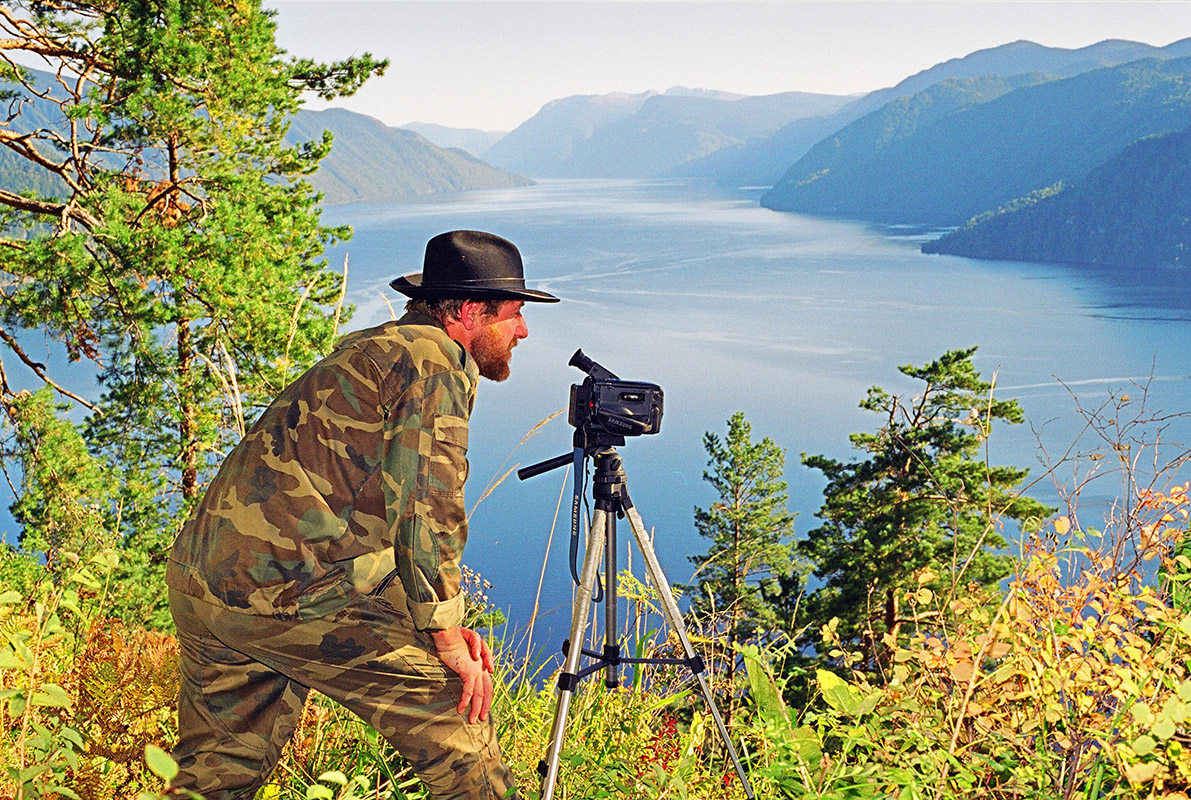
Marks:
<point>472,265</point>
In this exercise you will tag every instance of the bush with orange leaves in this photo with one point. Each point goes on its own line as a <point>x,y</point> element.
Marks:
<point>1073,683</point>
<point>1080,677</point>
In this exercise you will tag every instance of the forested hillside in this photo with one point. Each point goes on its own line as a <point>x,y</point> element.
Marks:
<point>1133,211</point>
<point>867,138</point>
<point>17,173</point>
<point>764,161</point>
<point>980,157</point>
<point>372,161</point>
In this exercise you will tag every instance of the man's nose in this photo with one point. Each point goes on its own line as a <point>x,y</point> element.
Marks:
<point>522,331</point>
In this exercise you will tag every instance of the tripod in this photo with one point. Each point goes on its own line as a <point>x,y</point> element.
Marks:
<point>610,491</point>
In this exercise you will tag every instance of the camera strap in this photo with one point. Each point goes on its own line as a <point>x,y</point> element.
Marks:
<point>580,463</point>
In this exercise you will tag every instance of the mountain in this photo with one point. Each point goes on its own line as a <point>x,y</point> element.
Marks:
<point>644,135</point>
<point>472,140</point>
<point>1133,210</point>
<point>541,145</point>
<point>902,118</point>
<point>980,157</point>
<point>764,161</point>
<point>1023,56</point>
<point>370,161</point>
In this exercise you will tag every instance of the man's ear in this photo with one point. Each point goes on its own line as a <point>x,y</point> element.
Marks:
<point>469,314</point>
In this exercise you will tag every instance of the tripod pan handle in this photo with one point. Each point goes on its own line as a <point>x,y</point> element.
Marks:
<point>545,466</point>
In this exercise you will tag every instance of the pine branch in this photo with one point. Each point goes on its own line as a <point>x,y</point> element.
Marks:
<point>39,370</point>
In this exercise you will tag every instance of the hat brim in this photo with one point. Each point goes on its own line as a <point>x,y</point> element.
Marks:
<point>411,286</point>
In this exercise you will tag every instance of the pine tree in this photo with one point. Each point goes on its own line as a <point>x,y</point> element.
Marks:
<point>749,527</point>
<point>922,508</point>
<point>181,253</point>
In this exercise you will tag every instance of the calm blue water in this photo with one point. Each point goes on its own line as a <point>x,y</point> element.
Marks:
<point>730,307</point>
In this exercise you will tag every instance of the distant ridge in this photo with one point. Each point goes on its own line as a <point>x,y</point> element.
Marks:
<point>647,134</point>
<point>472,140</point>
<point>371,161</point>
<point>982,156</point>
<point>765,161</point>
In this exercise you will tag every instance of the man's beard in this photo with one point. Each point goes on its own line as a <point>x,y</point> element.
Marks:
<point>491,356</point>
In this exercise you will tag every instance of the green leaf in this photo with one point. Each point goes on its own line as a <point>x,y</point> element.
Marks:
<point>106,559</point>
<point>764,690</point>
<point>10,597</point>
<point>72,736</point>
<point>669,700</point>
<point>11,660</point>
<point>53,625</point>
<point>29,773</point>
<point>160,763</point>
<point>316,792</point>
<point>869,703</point>
<point>1164,728</point>
<point>1176,709</point>
<point>806,744</point>
<point>838,693</point>
<point>84,577</point>
<point>1185,691</point>
<point>70,602</point>
<point>62,791</point>
<point>1144,745</point>
<point>51,695</point>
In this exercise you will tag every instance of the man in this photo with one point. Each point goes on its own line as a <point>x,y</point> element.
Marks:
<point>325,553</point>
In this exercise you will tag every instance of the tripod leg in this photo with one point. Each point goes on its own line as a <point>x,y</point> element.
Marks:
<point>566,679</point>
<point>674,618</point>
<point>611,623</point>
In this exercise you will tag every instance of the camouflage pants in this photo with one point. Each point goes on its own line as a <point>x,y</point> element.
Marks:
<point>245,679</point>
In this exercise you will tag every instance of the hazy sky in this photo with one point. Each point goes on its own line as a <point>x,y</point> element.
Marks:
<point>492,64</point>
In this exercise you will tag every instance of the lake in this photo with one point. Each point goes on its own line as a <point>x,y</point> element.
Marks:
<point>731,307</point>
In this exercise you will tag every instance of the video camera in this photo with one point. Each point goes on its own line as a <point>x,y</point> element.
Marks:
<point>604,409</point>
<point>604,405</point>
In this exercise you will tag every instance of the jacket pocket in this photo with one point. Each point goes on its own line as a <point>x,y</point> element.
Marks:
<point>448,465</point>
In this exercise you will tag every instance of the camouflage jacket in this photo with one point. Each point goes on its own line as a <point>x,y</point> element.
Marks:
<point>351,481</point>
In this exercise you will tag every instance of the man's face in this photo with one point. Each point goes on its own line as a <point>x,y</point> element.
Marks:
<point>492,346</point>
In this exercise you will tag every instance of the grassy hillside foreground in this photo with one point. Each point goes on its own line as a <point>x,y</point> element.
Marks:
<point>1072,683</point>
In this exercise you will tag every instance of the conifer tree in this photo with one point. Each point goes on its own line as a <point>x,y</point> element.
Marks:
<point>921,509</point>
<point>179,252</point>
<point>749,527</point>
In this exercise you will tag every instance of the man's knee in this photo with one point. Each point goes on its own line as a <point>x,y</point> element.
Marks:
<point>223,769</point>
<point>460,761</point>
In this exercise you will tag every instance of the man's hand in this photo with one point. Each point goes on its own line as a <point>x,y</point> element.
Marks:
<point>466,653</point>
